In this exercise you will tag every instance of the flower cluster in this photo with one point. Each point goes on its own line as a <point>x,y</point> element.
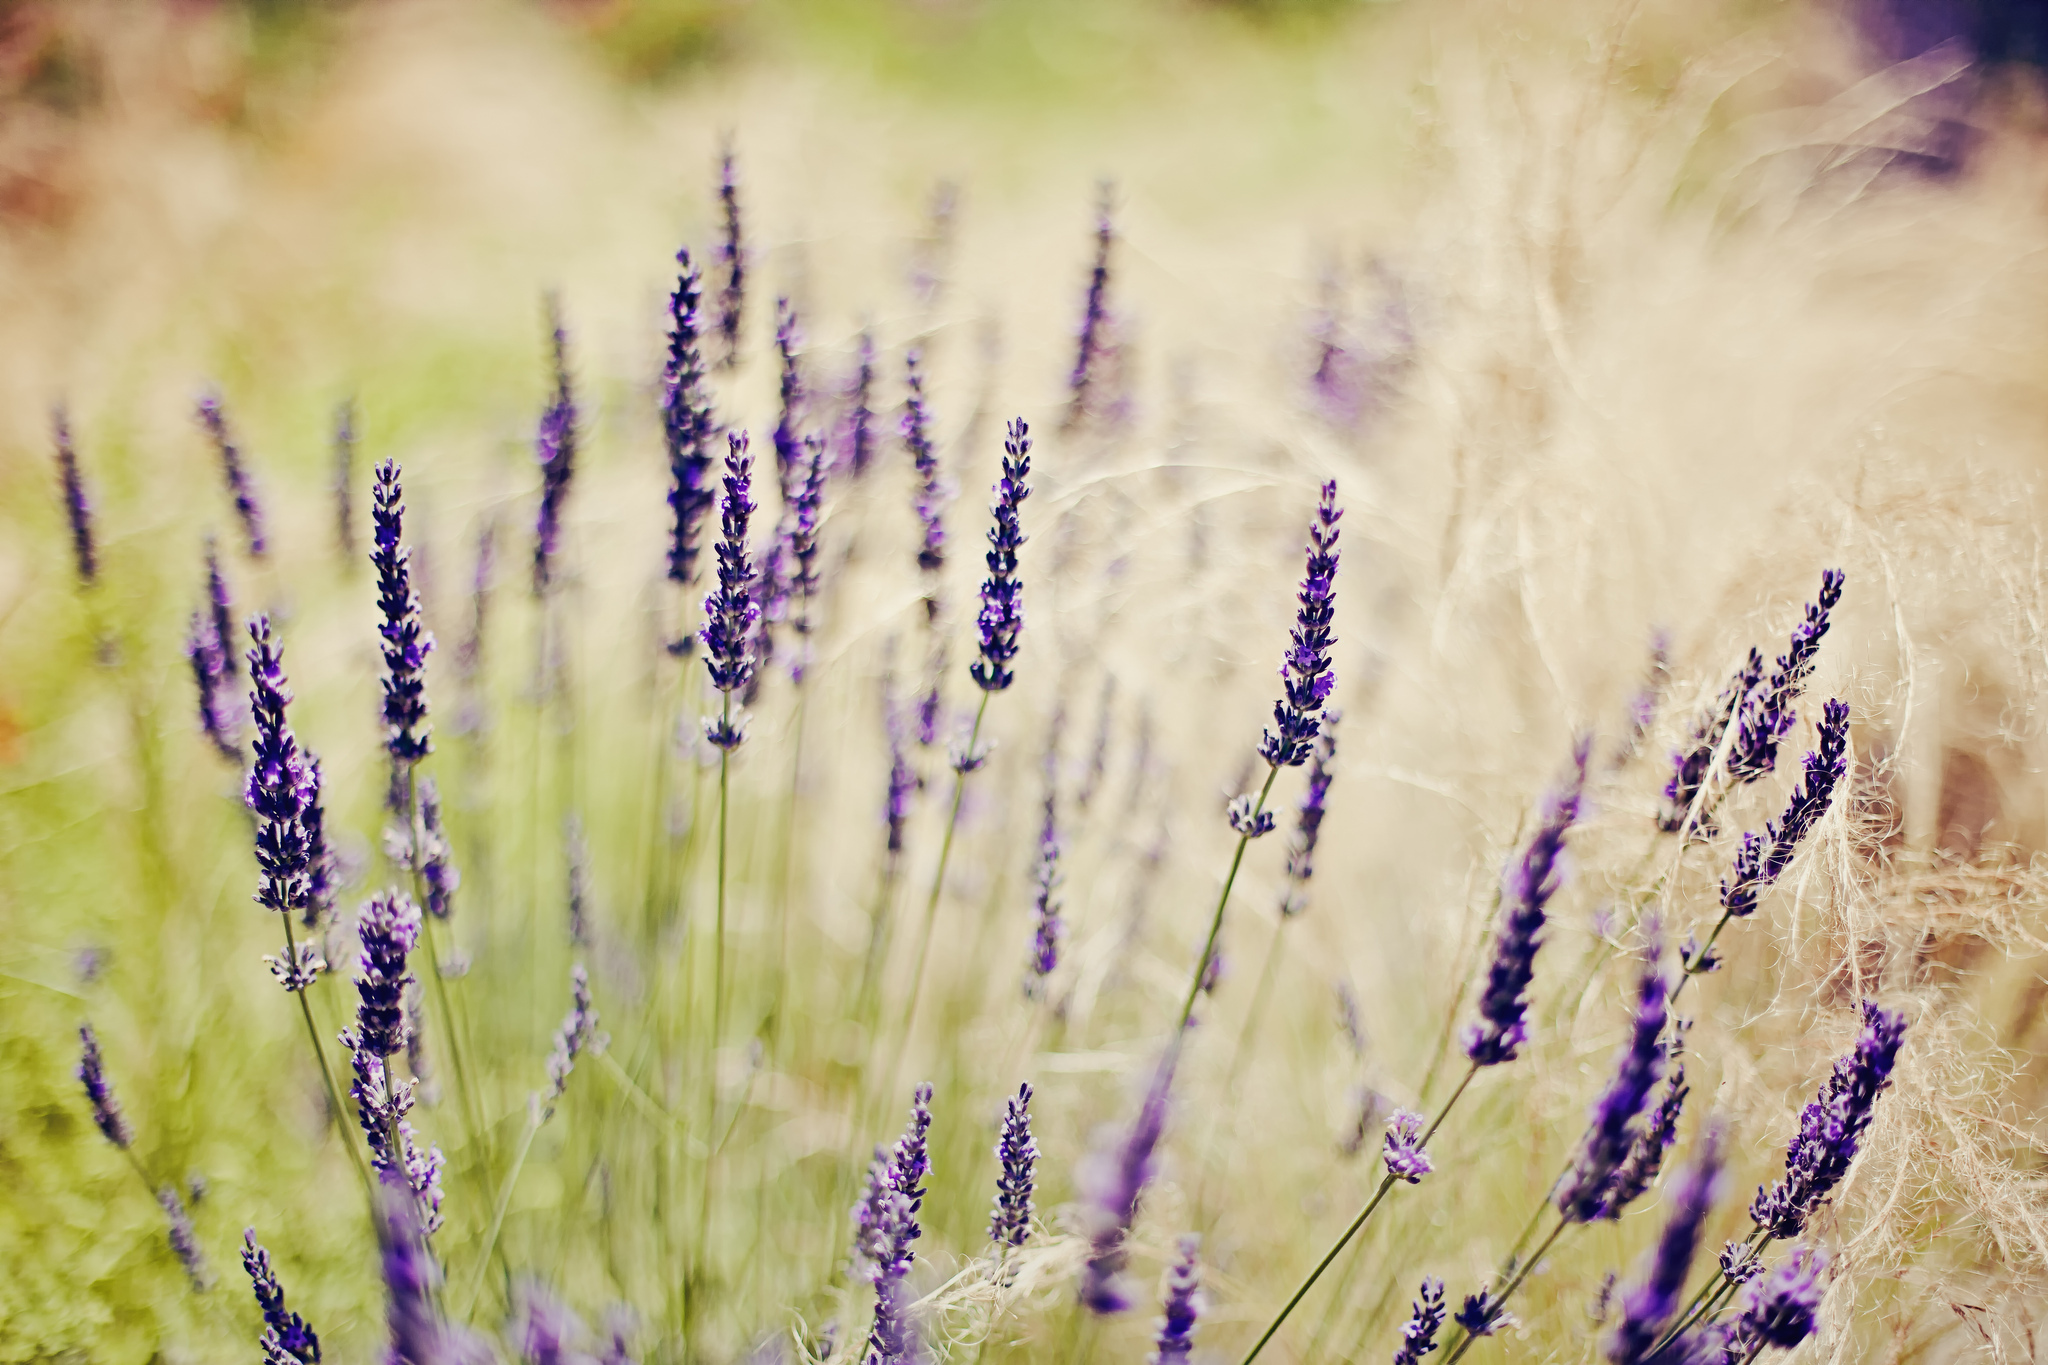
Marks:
<point>1093,339</point>
<point>1418,1334</point>
<point>1403,1153</point>
<point>886,1230</point>
<point>285,1334</point>
<point>77,509</point>
<point>860,416</point>
<point>1180,1306</point>
<point>1763,858</point>
<point>184,1240</point>
<point>1306,667</point>
<point>1047,926</point>
<point>554,447</point>
<point>207,651</point>
<point>1113,1181</point>
<point>791,397</point>
<point>1618,1128</point>
<point>1010,1223</point>
<point>383,1103</point>
<point>687,424</point>
<point>1766,714</point>
<point>1691,765</point>
<point>1002,592</point>
<point>732,259</point>
<point>240,486</point>
<point>804,508</point>
<point>405,640</point>
<point>1831,1128</point>
<point>435,856</point>
<point>1649,1307</point>
<point>730,611</point>
<point>578,1031</point>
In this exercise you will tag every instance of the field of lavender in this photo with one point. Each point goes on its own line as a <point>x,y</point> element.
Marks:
<point>1040,683</point>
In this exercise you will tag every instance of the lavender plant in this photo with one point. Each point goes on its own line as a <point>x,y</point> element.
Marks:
<point>234,472</point>
<point>77,508</point>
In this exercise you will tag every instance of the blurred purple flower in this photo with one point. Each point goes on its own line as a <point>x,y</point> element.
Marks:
<point>1648,1307</point>
<point>688,425</point>
<point>1762,859</point>
<point>1691,764</point>
<point>1588,1191</point>
<point>1113,1180</point>
<point>240,487</point>
<point>106,1110</point>
<point>77,508</point>
<point>554,446</point>
<point>1301,848</point>
<point>1766,715</point>
<point>732,259</point>
<point>184,1241</point>
<point>1180,1306</point>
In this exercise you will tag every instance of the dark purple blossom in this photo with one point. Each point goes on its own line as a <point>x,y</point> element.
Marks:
<point>106,1110</point>
<point>1654,1138</point>
<point>1642,707</point>
<point>1530,882</point>
<point>933,492</point>
<point>419,1334</point>
<point>578,1031</point>
<point>1482,1314</point>
<point>886,1231</point>
<point>1402,1150</point>
<point>278,788</point>
<point>435,857</point>
<point>236,474</point>
<point>1180,1306</point>
<point>220,606</point>
<point>1763,858</point>
<point>207,652</point>
<point>1002,592</point>
<point>77,508</point>
<point>1691,764</point>
<point>1781,1309</point>
<point>388,927</point>
<point>1246,819</point>
<point>1301,848</point>
<point>1766,715</point>
<point>1418,1334</point>
<point>406,643</point>
<point>1648,1307</point>
<point>803,547</point>
<point>1740,1262</point>
<point>383,1103</point>
<point>1831,1128</point>
<point>1113,1180</point>
<point>1047,928</point>
<point>791,398</point>
<point>323,875</point>
<point>1306,666</point>
<point>1010,1223</point>
<point>184,1241</point>
<point>554,446</point>
<point>860,416</point>
<point>283,1331</point>
<point>1093,339</point>
<point>688,426</point>
<point>730,612</point>
<point>1588,1191</point>
<point>732,260</point>
<point>345,477</point>
<point>545,1329</point>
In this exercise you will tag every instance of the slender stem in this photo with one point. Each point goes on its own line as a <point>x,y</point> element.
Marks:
<point>1697,967</point>
<point>1387,1183</point>
<point>483,1261</point>
<point>1216,921</point>
<point>1711,1295</point>
<point>334,1105</point>
<point>1465,1342</point>
<point>718,935</point>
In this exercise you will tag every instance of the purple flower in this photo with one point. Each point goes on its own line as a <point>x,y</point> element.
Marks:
<point>220,605</point>
<point>860,419</point>
<point>278,787</point>
<point>77,509</point>
<point>1740,1263</point>
<point>283,1331</point>
<point>687,425</point>
<point>545,1328</point>
<point>207,651</point>
<point>730,611</point>
<point>1762,859</point>
<point>732,259</point>
<point>389,927</point>
<point>791,397</point>
<point>1002,592</point>
<point>1482,1314</point>
<point>933,493</point>
<point>1766,714</point>
<point>322,871</point>
<point>1642,707</point>
<point>1247,821</point>
<point>1831,1128</point>
<point>1616,1129</point>
<point>1780,1309</point>
<point>419,1335</point>
<point>1180,1306</point>
<point>1010,1224</point>
<point>1047,927</point>
<point>902,777</point>
<point>578,1031</point>
<point>1301,849</point>
<point>886,1230</point>
<point>1531,881</point>
<point>1093,341</point>
<point>1402,1149</point>
<point>577,854</point>
<point>1654,1138</point>
<point>1691,764</point>
<point>106,1110</point>
<point>406,643</point>
<point>382,1105</point>
<point>1418,1334</point>
<point>1113,1181</point>
<point>184,1241</point>
<point>1648,1307</point>
<point>345,477</point>
<point>1305,668</point>
<point>435,856</point>
<point>803,546</point>
<point>240,487</point>
<point>554,446</point>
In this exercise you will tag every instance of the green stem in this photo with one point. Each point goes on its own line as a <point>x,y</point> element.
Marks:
<point>1222,901</point>
<point>718,933</point>
<point>504,1200</point>
<point>1464,1343</point>
<point>1710,1296</point>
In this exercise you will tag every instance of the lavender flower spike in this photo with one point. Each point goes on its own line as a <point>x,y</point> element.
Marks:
<point>1781,1309</point>
<point>1612,1137</point>
<point>1530,883</point>
<point>106,1110</point>
<point>321,868</point>
<point>554,446</point>
<point>1301,849</point>
<point>1766,714</point>
<point>860,419</point>
<point>687,426</point>
<point>406,643</point>
<point>1002,592</point>
<point>1403,1148</point>
<point>803,547</point>
<point>208,653</point>
<point>1305,667</point>
<point>419,1335</point>
<point>286,1335</point>
<point>886,1230</point>
<point>1092,340</point>
<point>1047,926</point>
<point>1831,1129</point>
<point>389,927</point>
<point>77,509</point>
<point>1180,1306</point>
<point>730,611</point>
<point>184,1241</point>
<point>1418,1334</point>
<point>932,491</point>
<point>791,397</point>
<point>1691,764</point>
<point>1655,1135</point>
<point>345,477</point>
<point>732,259</point>
<point>240,487</point>
<point>435,857</point>
<point>578,1031</point>
<point>278,787</point>
<point>395,1154</point>
<point>222,607</point>
<point>1762,859</point>
<point>1010,1224</point>
<point>1113,1182</point>
<point>1648,1308</point>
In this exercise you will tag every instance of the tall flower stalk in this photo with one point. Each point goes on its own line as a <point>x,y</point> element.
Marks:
<point>213,419</point>
<point>77,507</point>
<point>554,448</point>
<point>732,261</point>
<point>730,614</point>
<point>688,426</point>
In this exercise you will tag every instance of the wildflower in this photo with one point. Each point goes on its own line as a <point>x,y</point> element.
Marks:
<point>1306,665</point>
<point>1649,1306</point>
<point>1301,849</point>
<point>435,856</point>
<point>1048,928</point>
<point>732,259</point>
<point>1530,883</point>
<point>240,487</point>
<point>803,545</point>
<point>1616,1130</point>
<point>730,611</point>
<point>1482,1314</point>
<point>1653,1139</point>
<point>554,446</point>
<point>184,1241</point>
<point>1691,764</point>
<point>207,651</point>
<point>221,607</point>
<point>419,1335</point>
<point>322,870</point>
<point>77,509</point>
<point>1780,1309</point>
<point>345,477</point>
<point>1762,859</point>
<point>791,397</point>
<point>1247,820</point>
<point>1180,1306</point>
<point>106,1110</point>
<point>1642,707</point>
<point>406,643</point>
<point>545,1327</point>
<point>1113,1182</point>
<point>578,1031</point>
<point>1739,1263</point>
<point>389,927</point>
<point>860,420</point>
<point>932,491</point>
<point>1766,714</point>
<point>887,1228</point>
<point>283,1332</point>
<point>1831,1128</point>
<point>1010,1223</point>
<point>277,787</point>
<point>1418,1334</point>
<point>902,779</point>
<point>687,424</point>
<point>1092,341</point>
<point>1403,1148</point>
<point>1002,592</point>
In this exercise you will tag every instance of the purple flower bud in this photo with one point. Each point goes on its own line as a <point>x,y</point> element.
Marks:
<point>1766,714</point>
<point>283,1331</point>
<point>77,509</point>
<point>578,1031</point>
<point>1739,1263</point>
<point>1691,764</point>
<point>240,487</point>
<point>1648,1307</point>
<point>1306,666</point>
<point>1180,1306</point>
<point>1010,1224</point>
<point>278,788</point>
<point>732,259</point>
<point>1780,1310</point>
<point>382,1105</point>
<point>1831,1128</point>
<point>1002,592</point>
<point>1762,859</point>
<point>730,612</point>
<point>1642,707</point>
<point>1246,821</point>
<point>791,398</point>
<point>388,926</point>
<point>886,1230</point>
<point>1113,1180</point>
<point>687,424</point>
<point>1301,849</point>
<point>1481,1315</point>
<point>1403,1148</point>
<point>1530,882</point>
<point>345,477</point>
<point>1588,1191</point>
<point>554,446</point>
<point>406,642</point>
<point>184,1241</point>
<point>933,492</point>
<point>106,1110</point>
<point>1418,1334</point>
